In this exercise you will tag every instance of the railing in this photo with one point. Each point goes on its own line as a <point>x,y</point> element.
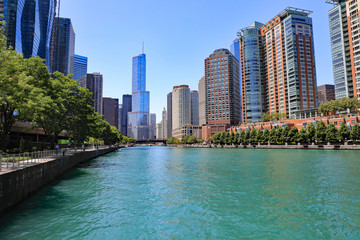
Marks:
<point>13,161</point>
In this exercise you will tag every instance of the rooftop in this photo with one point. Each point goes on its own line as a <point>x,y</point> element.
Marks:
<point>290,10</point>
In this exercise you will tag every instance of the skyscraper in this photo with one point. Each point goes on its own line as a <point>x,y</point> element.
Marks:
<point>235,50</point>
<point>161,128</point>
<point>326,93</point>
<point>254,85</point>
<point>344,33</point>
<point>222,88</point>
<point>63,52</point>
<point>110,110</point>
<point>194,95</point>
<point>138,119</point>
<point>80,67</point>
<point>169,115</point>
<point>29,26</point>
<point>94,82</point>
<point>181,109</point>
<point>202,102</point>
<point>126,108</point>
<point>278,65</point>
<point>152,126</point>
<point>120,117</point>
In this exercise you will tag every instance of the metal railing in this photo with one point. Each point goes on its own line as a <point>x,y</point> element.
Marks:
<point>18,160</point>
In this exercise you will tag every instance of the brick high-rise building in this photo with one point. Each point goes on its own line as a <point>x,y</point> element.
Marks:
<point>110,110</point>
<point>278,65</point>
<point>94,82</point>
<point>344,31</point>
<point>222,87</point>
<point>326,93</point>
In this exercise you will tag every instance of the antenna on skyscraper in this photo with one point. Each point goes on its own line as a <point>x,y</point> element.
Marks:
<point>143,47</point>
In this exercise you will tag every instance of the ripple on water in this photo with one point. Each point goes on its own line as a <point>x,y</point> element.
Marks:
<point>162,193</point>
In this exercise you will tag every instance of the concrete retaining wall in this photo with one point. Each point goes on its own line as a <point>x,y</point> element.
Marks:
<point>17,185</point>
<point>255,146</point>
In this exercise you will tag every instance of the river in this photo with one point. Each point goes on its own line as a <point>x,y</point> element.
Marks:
<point>176,193</point>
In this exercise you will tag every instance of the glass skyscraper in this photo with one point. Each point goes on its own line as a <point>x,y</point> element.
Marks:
<point>126,108</point>
<point>29,26</point>
<point>138,119</point>
<point>80,67</point>
<point>194,95</point>
<point>62,58</point>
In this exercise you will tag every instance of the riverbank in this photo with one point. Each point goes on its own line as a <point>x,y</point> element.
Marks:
<point>18,184</point>
<point>259,146</point>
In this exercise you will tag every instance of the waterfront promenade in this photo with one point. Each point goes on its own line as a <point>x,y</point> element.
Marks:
<point>20,179</point>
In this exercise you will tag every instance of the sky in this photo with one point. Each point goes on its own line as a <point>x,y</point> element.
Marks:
<point>178,35</point>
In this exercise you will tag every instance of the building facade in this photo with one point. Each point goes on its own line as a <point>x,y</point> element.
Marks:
<point>194,95</point>
<point>326,93</point>
<point>80,67</point>
<point>169,115</point>
<point>126,108</point>
<point>253,84</point>
<point>161,128</point>
<point>222,88</point>
<point>181,108</point>
<point>278,65</point>
<point>110,110</point>
<point>202,102</point>
<point>152,124</point>
<point>120,117</point>
<point>138,119</point>
<point>344,33</point>
<point>63,52</point>
<point>94,82</point>
<point>29,26</point>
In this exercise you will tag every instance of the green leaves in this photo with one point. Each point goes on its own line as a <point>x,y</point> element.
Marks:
<point>339,106</point>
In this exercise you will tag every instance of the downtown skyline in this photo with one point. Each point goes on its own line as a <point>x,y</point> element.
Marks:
<point>169,62</point>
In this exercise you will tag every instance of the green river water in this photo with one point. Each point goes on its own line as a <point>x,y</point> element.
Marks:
<point>175,193</point>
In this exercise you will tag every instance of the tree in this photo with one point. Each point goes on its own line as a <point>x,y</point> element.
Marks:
<point>320,132</point>
<point>247,137</point>
<point>85,122</point>
<point>173,140</point>
<point>266,117</point>
<point>259,135</point>
<point>302,136</point>
<point>344,133</point>
<point>266,135</point>
<point>279,135</point>
<point>272,135</point>
<point>293,135</point>
<point>253,136</point>
<point>311,132</point>
<point>285,134</point>
<point>331,133</point>
<point>237,138</point>
<point>19,97</point>
<point>355,132</point>
<point>242,136</point>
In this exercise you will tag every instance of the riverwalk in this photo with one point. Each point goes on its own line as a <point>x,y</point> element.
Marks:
<point>269,146</point>
<point>20,179</point>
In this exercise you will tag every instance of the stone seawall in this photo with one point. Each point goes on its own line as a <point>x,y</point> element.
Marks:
<point>19,184</point>
<point>256,146</point>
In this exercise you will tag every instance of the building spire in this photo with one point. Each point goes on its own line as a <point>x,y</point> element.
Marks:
<point>143,47</point>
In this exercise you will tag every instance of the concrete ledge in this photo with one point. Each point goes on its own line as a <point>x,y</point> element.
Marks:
<point>256,146</point>
<point>19,184</point>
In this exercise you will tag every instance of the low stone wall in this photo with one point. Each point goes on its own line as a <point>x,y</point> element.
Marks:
<point>256,146</point>
<point>19,184</point>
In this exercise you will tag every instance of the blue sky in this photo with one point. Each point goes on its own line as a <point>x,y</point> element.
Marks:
<point>178,36</point>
